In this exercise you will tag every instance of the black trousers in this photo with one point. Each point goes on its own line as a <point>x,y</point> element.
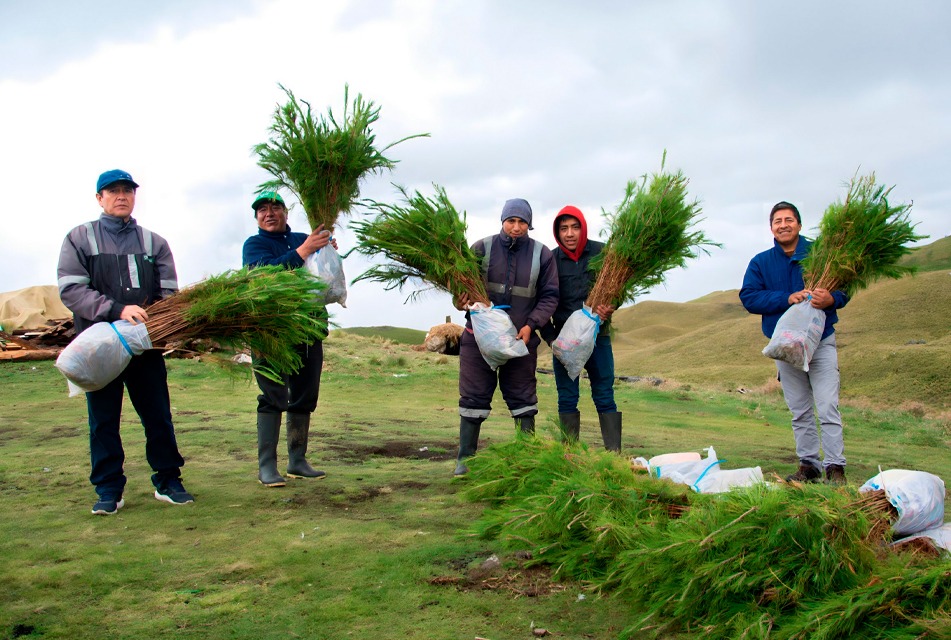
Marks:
<point>147,382</point>
<point>297,392</point>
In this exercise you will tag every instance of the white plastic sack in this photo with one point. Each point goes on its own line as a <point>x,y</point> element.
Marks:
<point>495,334</point>
<point>940,537</point>
<point>575,342</point>
<point>797,335</point>
<point>691,472</point>
<point>917,495</point>
<point>720,480</point>
<point>327,265</point>
<point>99,354</point>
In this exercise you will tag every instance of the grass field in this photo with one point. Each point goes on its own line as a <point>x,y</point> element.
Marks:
<point>379,549</point>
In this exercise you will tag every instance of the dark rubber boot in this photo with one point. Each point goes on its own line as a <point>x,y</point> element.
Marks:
<point>298,430</point>
<point>526,424</point>
<point>468,442</point>
<point>269,431</point>
<point>570,426</point>
<point>611,430</point>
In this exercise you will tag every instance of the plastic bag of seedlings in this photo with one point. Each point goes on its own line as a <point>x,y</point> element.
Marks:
<point>99,354</point>
<point>495,334</point>
<point>797,335</point>
<point>327,265</point>
<point>575,342</point>
<point>918,496</point>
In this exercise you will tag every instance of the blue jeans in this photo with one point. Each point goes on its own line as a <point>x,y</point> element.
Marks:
<point>600,368</point>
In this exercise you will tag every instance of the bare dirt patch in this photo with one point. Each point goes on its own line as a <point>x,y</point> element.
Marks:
<point>354,453</point>
<point>511,575</point>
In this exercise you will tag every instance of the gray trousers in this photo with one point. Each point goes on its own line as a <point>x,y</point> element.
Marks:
<point>815,394</point>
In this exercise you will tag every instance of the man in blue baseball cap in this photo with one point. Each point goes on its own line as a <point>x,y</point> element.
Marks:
<point>111,269</point>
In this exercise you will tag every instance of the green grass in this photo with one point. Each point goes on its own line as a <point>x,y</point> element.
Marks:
<point>394,334</point>
<point>352,555</point>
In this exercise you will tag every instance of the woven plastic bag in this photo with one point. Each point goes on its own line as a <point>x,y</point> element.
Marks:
<point>495,334</point>
<point>797,335</point>
<point>917,495</point>
<point>99,354</point>
<point>576,341</point>
<point>327,265</point>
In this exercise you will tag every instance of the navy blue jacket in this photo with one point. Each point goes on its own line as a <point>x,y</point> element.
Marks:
<point>273,249</point>
<point>772,277</point>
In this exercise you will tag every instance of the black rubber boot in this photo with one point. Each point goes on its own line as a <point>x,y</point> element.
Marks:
<point>526,424</point>
<point>468,442</point>
<point>298,429</point>
<point>570,426</point>
<point>611,430</point>
<point>269,431</point>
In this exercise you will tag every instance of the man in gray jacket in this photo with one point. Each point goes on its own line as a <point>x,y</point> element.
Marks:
<point>110,269</point>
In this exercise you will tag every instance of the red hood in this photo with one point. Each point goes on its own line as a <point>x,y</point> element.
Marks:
<point>574,212</point>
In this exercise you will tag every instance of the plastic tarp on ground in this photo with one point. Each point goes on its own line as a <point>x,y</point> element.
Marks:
<point>30,308</point>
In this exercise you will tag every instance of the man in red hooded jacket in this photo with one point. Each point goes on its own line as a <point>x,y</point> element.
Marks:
<point>572,258</point>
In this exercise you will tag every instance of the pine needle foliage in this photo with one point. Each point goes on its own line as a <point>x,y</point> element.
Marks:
<point>860,240</point>
<point>320,159</point>
<point>423,241</point>
<point>266,309</point>
<point>759,562</point>
<point>651,232</point>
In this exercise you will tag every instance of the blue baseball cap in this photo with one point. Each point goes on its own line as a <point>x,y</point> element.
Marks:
<point>112,176</point>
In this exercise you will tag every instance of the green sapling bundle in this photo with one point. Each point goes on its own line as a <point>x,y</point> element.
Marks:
<point>322,161</point>
<point>424,243</point>
<point>860,240</point>
<point>651,232</point>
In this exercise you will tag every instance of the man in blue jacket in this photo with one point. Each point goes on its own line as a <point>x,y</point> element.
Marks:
<point>110,269</point>
<point>520,274</point>
<point>772,284</point>
<point>275,244</point>
<point>573,258</point>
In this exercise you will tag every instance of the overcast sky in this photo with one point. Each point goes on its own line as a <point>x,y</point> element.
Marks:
<point>555,102</point>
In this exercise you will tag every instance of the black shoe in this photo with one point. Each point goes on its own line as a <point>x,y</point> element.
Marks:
<point>108,505</point>
<point>806,473</point>
<point>173,492</point>
<point>835,474</point>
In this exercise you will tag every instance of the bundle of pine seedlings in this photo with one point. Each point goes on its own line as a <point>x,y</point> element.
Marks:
<point>321,160</point>
<point>266,309</point>
<point>651,232</point>
<point>572,507</point>
<point>860,240</point>
<point>423,242</point>
<point>755,562</point>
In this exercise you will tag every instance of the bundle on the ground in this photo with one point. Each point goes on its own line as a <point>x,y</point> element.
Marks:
<point>757,562</point>
<point>322,161</point>
<point>424,242</point>
<point>651,232</point>
<point>860,240</point>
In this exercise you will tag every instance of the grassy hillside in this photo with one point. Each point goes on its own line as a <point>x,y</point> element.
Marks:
<point>931,257</point>
<point>398,335</point>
